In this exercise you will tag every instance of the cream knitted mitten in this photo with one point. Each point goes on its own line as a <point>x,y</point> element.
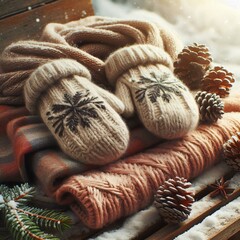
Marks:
<point>82,117</point>
<point>143,78</point>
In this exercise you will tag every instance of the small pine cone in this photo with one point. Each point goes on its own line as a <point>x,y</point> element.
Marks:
<point>218,80</point>
<point>192,64</point>
<point>231,151</point>
<point>211,107</point>
<point>173,200</point>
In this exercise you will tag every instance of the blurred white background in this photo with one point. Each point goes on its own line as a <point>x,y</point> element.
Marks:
<point>215,23</point>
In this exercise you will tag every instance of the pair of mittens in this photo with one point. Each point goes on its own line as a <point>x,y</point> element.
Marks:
<point>83,117</point>
<point>144,82</point>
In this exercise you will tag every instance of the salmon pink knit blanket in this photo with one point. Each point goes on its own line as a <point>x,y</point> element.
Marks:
<point>99,197</point>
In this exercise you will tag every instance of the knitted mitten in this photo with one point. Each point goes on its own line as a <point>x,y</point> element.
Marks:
<point>142,75</point>
<point>82,117</point>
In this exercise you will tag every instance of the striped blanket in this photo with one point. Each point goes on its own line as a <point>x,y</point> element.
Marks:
<point>28,151</point>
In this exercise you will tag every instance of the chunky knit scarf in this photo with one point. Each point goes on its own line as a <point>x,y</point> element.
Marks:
<point>89,41</point>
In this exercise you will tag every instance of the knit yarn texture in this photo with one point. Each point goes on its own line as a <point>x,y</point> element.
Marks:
<point>82,116</point>
<point>143,78</point>
<point>89,41</point>
<point>102,196</point>
<point>19,60</point>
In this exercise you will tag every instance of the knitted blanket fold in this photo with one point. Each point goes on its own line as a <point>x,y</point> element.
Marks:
<point>28,148</point>
<point>51,166</point>
<point>20,135</point>
<point>100,197</point>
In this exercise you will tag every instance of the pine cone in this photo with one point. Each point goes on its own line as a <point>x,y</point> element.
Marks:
<point>173,200</point>
<point>211,107</point>
<point>231,151</point>
<point>218,80</point>
<point>192,64</point>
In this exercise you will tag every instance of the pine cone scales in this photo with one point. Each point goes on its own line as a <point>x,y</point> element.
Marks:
<point>231,151</point>
<point>173,200</point>
<point>211,107</point>
<point>218,80</point>
<point>191,65</point>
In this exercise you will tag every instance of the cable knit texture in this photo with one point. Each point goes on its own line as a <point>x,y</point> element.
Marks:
<point>82,116</point>
<point>102,196</point>
<point>143,78</point>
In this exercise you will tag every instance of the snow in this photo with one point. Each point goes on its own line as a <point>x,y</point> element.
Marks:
<point>1,199</point>
<point>219,28</point>
<point>132,226</point>
<point>12,204</point>
<point>218,219</point>
<point>209,176</point>
<point>196,236</point>
<point>210,221</point>
<point>84,13</point>
<point>37,20</point>
<point>108,8</point>
<point>66,15</point>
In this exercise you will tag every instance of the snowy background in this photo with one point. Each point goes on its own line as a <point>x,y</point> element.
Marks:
<point>215,23</point>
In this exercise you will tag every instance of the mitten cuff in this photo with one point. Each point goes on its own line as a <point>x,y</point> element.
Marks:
<point>47,75</point>
<point>126,58</point>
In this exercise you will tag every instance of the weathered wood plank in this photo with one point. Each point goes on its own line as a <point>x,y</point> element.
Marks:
<point>10,7</point>
<point>235,236</point>
<point>228,230</point>
<point>28,25</point>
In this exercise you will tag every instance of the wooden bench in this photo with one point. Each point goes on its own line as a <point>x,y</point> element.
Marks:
<point>21,19</point>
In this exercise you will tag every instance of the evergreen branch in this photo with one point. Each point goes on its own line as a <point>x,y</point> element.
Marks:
<point>22,193</point>
<point>22,227</point>
<point>27,223</point>
<point>47,218</point>
<point>26,193</point>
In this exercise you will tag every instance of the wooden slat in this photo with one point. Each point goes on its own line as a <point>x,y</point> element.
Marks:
<point>28,25</point>
<point>236,236</point>
<point>227,230</point>
<point>11,7</point>
<point>171,231</point>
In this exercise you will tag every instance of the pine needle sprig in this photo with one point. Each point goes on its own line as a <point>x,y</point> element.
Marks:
<point>28,222</point>
<point>23,193</point>
<point>21,227</point>
<point>47,218</point>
